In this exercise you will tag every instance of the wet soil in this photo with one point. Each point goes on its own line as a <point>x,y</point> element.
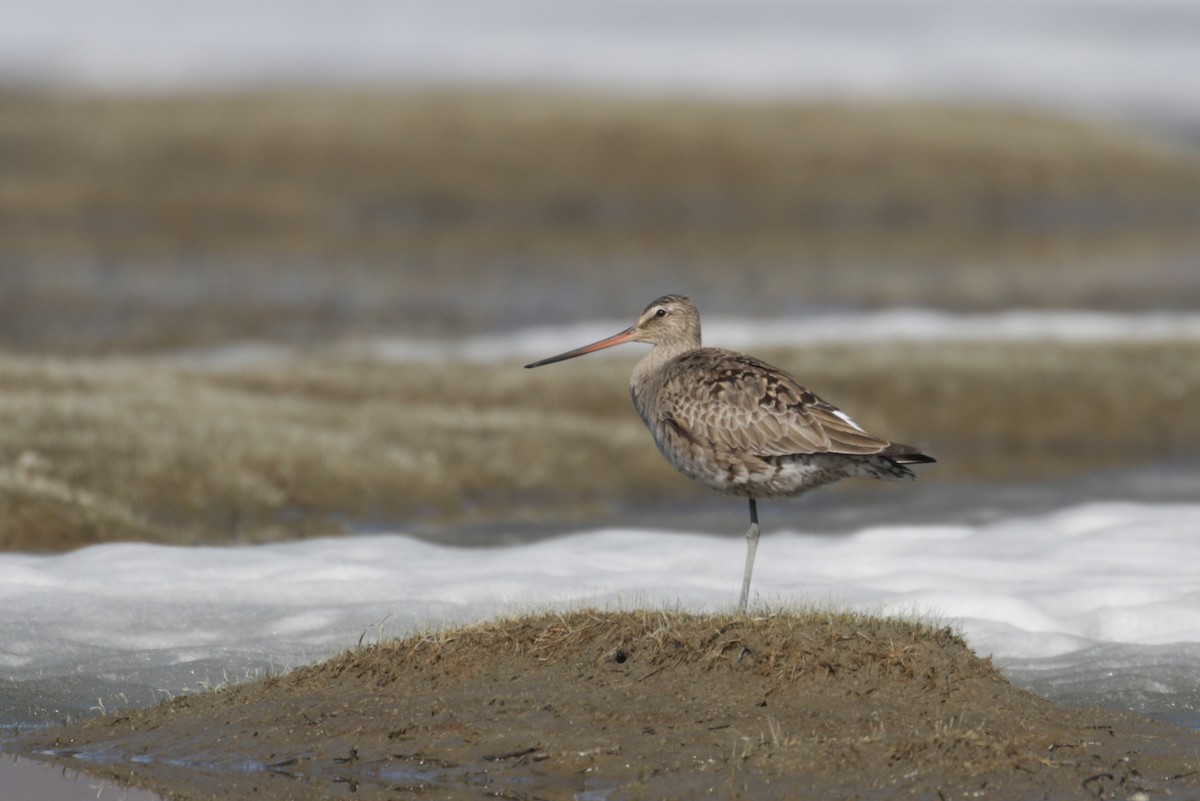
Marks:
<point>635,705</point>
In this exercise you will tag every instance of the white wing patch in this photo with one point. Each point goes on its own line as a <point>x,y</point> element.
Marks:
<point>845,418</point>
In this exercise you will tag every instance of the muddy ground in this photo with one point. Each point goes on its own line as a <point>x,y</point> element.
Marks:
<point>812,704</point>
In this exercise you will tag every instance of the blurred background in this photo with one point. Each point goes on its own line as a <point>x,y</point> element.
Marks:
<point>238,239</point>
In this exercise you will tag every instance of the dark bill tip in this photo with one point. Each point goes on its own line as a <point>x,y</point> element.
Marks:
<point>615,339</point>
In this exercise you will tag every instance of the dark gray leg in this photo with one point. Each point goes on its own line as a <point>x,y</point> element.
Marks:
<point>751,547</point>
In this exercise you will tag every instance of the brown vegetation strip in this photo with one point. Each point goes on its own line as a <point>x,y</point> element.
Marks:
<point>294,171</point>
<point>137,222</point>
<point>138,448</point>
<point>645,704</point>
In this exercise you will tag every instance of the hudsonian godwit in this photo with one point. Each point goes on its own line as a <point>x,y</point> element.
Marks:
<point>737,424</point>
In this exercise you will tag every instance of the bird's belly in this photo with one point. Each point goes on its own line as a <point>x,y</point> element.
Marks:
<point>749,476</point>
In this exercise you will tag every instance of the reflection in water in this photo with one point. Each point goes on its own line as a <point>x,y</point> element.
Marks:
<point>29,780</point>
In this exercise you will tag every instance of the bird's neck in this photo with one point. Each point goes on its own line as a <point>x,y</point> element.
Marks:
<point>650,373</point>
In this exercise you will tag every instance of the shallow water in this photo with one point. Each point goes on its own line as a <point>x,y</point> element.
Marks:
<point>29,780</point>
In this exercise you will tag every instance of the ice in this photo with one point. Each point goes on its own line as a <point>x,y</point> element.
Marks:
<point>1099,601</point>
<point>896,325</point>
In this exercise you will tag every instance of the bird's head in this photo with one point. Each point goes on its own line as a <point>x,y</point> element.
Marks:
<point>671,319</point>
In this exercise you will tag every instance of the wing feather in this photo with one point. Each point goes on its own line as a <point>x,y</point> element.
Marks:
<point>743,405</point>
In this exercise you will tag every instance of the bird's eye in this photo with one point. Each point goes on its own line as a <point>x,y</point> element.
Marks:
<point>661,313</point>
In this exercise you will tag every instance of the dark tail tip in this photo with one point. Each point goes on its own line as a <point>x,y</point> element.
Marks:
<point>906,454</point>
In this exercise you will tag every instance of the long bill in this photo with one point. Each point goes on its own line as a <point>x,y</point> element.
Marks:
<point>616,339</point>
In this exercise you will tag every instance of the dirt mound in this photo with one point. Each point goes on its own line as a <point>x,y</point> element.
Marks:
<point>639,705</point>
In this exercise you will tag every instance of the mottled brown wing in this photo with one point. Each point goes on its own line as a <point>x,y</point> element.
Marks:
<point>742,405</point>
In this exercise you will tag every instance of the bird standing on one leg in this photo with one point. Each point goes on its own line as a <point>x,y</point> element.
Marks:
<point>739,425</point>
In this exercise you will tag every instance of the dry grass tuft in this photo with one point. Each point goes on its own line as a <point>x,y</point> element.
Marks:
<point>642,704</point>
<point>780,645</point>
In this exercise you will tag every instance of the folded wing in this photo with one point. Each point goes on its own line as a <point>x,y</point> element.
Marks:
<point>740,404</point>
